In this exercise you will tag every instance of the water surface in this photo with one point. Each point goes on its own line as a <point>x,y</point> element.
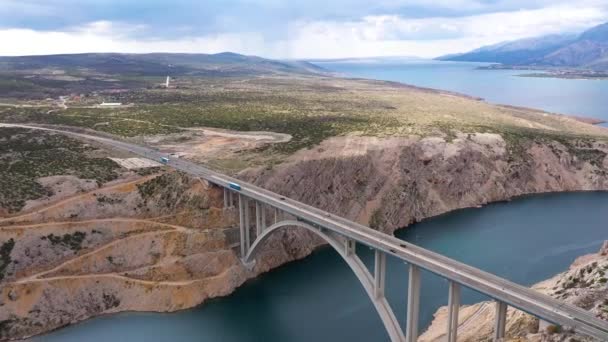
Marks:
<point>566,96</point>
<point>318,298</point>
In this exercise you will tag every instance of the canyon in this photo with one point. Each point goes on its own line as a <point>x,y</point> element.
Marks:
<point>163,241</point>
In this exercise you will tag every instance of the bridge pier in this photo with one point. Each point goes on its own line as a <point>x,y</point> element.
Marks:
<point>501,321</point>
<point>379,273</point>
<point>258,219</point>
<point>349,246</point>
<point>226,201</point>
<point>244,247</point>
<point>453,310</point>
<point>247,223</point>
<point>264,222</point>
<point>413,304</point>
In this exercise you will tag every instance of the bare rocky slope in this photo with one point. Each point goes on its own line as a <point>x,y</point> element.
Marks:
<point>163,242</point>
<point>391,183</point>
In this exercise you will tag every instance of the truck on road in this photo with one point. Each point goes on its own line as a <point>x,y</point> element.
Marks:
<point>164,160</point>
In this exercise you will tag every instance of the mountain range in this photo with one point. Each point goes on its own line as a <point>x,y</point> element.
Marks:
<point>160,64</point>
<point>588,50</point>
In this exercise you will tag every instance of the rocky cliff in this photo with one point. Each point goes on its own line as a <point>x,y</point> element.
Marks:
<point>163,242</point>
<point>393,182</point>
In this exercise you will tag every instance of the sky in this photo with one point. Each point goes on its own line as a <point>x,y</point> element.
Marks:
<point>296,29</point>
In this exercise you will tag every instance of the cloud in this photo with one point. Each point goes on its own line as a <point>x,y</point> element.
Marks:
<point>428,37</point>
<point>103,36</point>
<point>388,31</point>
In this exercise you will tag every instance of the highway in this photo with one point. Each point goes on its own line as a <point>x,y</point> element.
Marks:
<point>515,295</point>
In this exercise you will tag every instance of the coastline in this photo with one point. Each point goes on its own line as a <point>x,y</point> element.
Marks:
<point>574,76</point>
<point>551,72</point>
<point>581,118</point>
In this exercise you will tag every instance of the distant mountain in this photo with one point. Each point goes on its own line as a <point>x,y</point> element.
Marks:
<point>515,52</point>
<point>160,64</point>
<point>370,59</point>
<point>588,50</point>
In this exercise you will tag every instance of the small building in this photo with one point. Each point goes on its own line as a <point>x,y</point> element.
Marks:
<point>110,104</point>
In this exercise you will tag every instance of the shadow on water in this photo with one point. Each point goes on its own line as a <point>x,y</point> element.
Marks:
<point>526,241</point>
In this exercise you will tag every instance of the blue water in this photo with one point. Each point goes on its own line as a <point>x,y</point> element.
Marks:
<point>318,298</point>
<point>565,96</point>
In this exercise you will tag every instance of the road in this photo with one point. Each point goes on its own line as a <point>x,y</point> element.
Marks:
<point>515,295</point>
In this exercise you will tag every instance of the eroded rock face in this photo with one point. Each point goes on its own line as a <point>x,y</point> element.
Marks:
<point>390,183</point>
<point>159,243</point>
<point>604,250</point>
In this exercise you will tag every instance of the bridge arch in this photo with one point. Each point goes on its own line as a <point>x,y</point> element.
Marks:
<point>352,260</point>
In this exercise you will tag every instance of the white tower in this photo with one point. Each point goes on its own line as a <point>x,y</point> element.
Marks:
<point>167,82</point>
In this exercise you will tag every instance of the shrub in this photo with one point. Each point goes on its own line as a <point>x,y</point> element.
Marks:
<point>553,329</point>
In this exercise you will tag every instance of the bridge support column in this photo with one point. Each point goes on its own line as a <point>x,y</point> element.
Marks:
<point>453,310</point>
<point>247,223</point>
<point>276,215</point>
<point>258,219</point>
<point>349,246</point>
<point>264,222</point>
<point>244,246</point>
<point>413,304</point>
<point>231,198</point>
<point>379,273</point>
<point>501,321</point>
<point>226,198</point>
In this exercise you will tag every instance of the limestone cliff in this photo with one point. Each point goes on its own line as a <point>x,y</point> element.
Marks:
<point>393,182</point>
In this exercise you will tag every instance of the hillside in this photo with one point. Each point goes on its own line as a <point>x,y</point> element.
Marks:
<point>588,50</point>
<point>40,77</point>
<point>157,64</point>
<point>514,52</point>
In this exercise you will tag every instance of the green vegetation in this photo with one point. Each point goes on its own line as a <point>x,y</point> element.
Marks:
<point>71,241</point>
<point>110,301</point>
<point>5,327</point>
<point>376,219</point>
<point>151,188</point>
<point>310,109</point>
<point>108,200</point>
<point>553,329</point>
<point>170,190</point>
<point>147,171</point>
<point>518,141</point>
<point>5,256</point>
<point>27,155</point>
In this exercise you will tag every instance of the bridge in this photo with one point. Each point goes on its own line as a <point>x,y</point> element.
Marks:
<point>262,213</point>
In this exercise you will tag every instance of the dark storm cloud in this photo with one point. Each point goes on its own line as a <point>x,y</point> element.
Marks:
<point>178,18</point>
